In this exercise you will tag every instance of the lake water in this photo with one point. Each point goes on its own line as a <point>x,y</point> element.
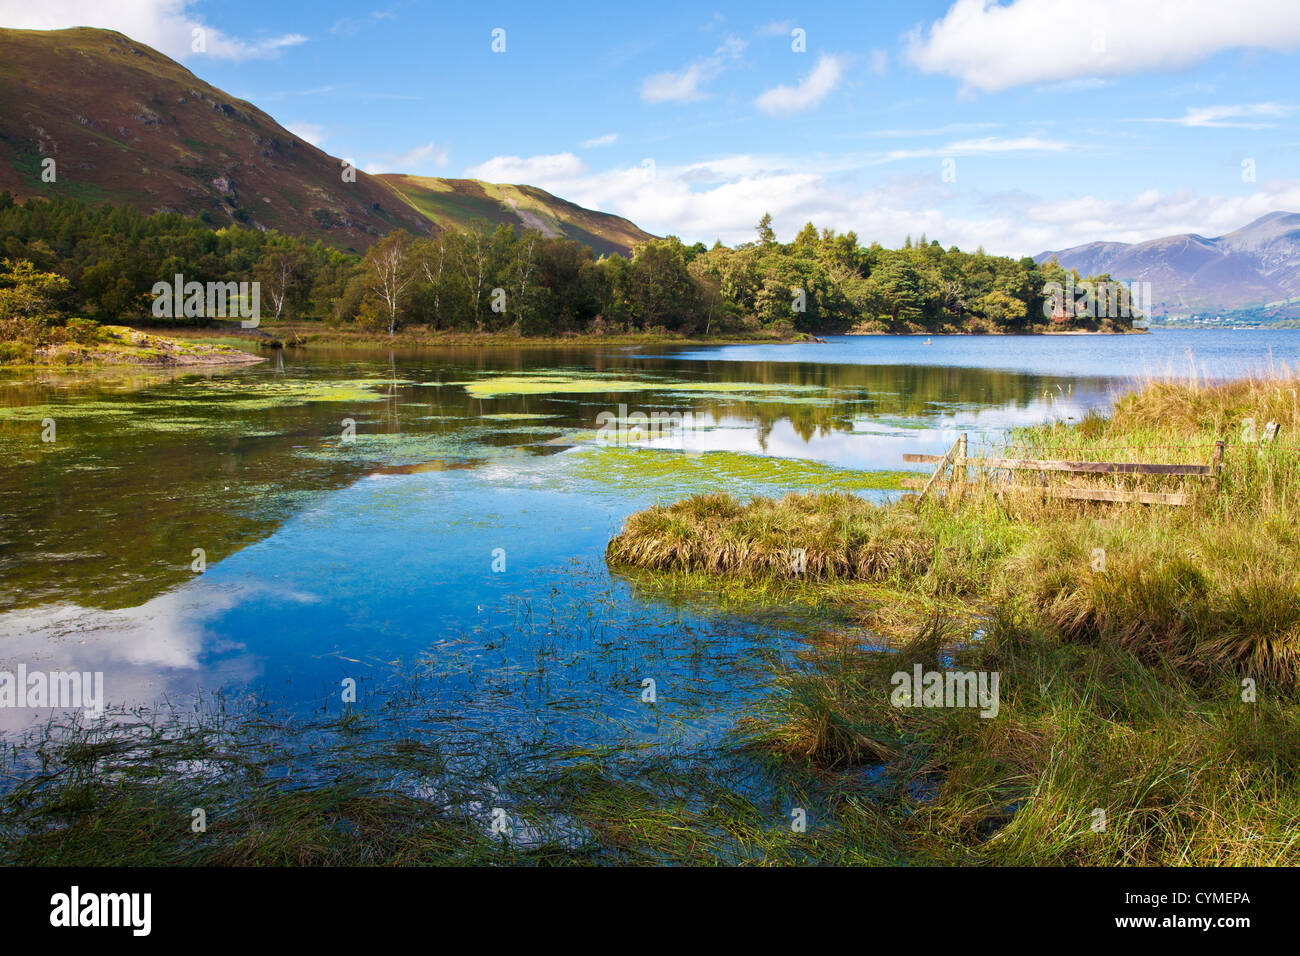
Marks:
<point>448,544</point>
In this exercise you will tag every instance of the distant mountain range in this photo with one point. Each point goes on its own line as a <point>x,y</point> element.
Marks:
<point>1255,267</point>
<point>127,125</point>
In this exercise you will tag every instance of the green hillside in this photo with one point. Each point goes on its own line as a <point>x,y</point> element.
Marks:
<point>455,203</point>
<point>127,125</point>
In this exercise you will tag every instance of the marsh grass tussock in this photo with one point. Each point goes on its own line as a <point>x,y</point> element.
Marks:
<point>841,537</point>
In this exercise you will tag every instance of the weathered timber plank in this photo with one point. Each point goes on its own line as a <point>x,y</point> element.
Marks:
<point>943,466</point>
<point>1088,467</point>
<point>1117,494</point>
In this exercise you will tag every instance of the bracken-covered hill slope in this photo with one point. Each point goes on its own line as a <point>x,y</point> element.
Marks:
<point>125,124</point>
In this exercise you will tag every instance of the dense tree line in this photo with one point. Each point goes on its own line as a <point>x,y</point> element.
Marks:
<point>107,260</point>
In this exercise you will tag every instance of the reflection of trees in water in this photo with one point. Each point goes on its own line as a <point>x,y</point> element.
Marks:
<point>839,396</point>
<point>908,383</point>
<point>840,393</point>
<point>109,515</point>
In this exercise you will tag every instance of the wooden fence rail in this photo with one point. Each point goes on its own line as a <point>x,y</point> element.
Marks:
<point>958,461</point>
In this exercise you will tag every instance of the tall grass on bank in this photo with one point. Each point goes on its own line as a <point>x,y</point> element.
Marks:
<point>1205,587</point>
<point>1094,758</point>
<point>1149,656</point>
<point>1178,423</point>
<point>1203,596</point>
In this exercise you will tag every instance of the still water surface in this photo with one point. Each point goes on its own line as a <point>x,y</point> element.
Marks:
<point>460,534</point>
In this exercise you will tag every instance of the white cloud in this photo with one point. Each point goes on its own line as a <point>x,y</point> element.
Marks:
<point>313,133</point>
<point>609,139</point>
<point>532,170</point>
<point>991,47</point>
<point>421,159</point>
<point>986,146</point>
<point>721,198</point>
<point>812,89</point>
<point>164,648</point>
<point>166,25</point>
<point>1244,116</point>
<point>724,197</point>
<point>683,86</point>
<point>1151,213</point>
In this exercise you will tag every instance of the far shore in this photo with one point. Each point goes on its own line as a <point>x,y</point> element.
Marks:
<point>309,335</point>
<point>316,335</point>
<point>119,345</point>
<point>229,345</point>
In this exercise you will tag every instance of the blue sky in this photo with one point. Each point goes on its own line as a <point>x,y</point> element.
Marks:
<point>1022,126</point>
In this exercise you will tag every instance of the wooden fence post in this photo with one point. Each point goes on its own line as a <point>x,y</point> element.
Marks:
<point>1217,462</point>
<point>943,466</point>
<point>959,466</point>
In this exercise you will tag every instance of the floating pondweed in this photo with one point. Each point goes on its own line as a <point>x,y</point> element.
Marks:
<point>684,472</point>
<point>547,384</point>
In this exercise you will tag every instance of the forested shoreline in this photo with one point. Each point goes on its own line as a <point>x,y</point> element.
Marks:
<point>68,265</point>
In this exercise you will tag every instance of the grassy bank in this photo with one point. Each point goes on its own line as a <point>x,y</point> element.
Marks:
<point>113,345</point>
<point>1148,657</point>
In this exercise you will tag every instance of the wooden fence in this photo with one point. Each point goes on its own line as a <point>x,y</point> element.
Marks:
<point>958,461</point>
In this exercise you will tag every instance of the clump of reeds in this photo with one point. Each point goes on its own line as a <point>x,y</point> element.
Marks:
<point>1200,595</point>
<point>1096,757</point>
<point>831,536</point>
